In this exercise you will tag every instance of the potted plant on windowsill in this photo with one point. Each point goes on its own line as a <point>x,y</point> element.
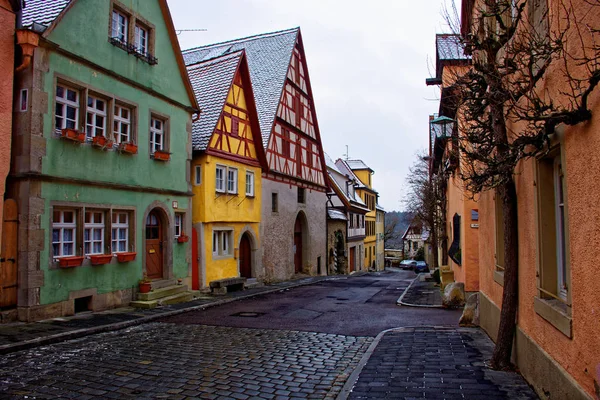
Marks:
<point>100,259</point>
<point>183,238</point>
<point>70,262</point>
<point>128,147</point>
<point>126,256</point>
<point>101,142</point>
<point>72,134</point>
<point>145,285</point>
<point>162,155</point>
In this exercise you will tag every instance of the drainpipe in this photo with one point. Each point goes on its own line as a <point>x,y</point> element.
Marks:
<point>28,40</point>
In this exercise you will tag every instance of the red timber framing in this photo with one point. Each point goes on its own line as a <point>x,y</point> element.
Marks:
<point>295,153</point>
<point>237,133</point>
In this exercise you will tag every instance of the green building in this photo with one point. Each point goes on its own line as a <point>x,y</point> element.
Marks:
<point>101,153</point>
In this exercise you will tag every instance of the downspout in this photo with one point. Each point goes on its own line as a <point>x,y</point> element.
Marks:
<point>28,40</point>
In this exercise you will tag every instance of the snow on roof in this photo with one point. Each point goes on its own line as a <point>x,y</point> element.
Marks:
<point>336,214</point>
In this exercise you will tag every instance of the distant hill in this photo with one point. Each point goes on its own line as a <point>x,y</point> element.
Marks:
<point>399,220</point>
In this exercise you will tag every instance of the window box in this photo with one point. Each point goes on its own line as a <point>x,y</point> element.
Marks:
<point>126,256</point>
<point>162,155</point>
<point>100,259</point>
<point>72,134</point>
<point>101,142</point>
<point>183,239</point>
<point>128,147</point>
<point>69,262</point>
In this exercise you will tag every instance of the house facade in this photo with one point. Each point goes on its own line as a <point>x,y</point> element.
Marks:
<point>228,158</point>
<point>346,201</point>
<point>98,156</point>
<point>412,239</point>
<point>379,233</point>
<point>293,217</point>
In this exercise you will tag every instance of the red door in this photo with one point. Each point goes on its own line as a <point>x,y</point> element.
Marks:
<point>245,257</point>
<point>298,246</point>
<point>352,255</point>
<point>195,270</point>
<point>154,257</point>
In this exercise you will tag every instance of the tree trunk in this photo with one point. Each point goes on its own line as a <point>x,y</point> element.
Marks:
<point>506,330</point>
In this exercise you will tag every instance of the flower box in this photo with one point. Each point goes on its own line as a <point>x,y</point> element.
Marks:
<point>101,142</point>
<point>126,256</point>
<point>69,262</point>
<point>100,259</point>
<point>72,134</point>
<point>128,148</point>
<point>162,155</point>
<point>183,239</point>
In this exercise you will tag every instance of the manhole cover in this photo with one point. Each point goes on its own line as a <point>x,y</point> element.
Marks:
<point>247,314</point>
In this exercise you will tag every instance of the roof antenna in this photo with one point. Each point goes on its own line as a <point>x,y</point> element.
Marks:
<point>178,31</point>
<point>346,155</point>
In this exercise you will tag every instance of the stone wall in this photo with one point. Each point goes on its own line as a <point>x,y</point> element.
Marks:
<point>341,266</point>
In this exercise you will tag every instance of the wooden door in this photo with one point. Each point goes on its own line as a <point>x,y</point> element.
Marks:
<point>298,246</point>
<point>352,258</point>
<point>8,254</point>
<point>245,257</point>
<point>154,247</point>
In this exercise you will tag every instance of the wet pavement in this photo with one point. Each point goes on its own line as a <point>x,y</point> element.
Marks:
<point>422,292</point>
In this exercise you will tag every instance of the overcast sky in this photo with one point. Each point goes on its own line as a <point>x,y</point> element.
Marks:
<point>367,61</point>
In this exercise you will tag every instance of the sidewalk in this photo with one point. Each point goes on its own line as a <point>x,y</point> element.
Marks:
<point>20,336</point>
<point>432,363</point>
<point>421,293</point>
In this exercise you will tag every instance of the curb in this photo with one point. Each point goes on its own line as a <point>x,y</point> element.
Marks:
<point>60,337</point>
<point>400,302</point>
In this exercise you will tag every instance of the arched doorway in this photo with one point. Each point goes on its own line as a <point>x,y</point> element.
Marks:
<point>299,235</point>
<point>154,247</point>
<point>245,256</point>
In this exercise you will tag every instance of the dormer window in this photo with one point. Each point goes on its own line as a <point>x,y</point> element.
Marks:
<point>132,33</point>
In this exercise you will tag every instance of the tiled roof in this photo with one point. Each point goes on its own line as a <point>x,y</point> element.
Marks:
<point>43,12</point>
<point>268,57</point>
<point>357,164</point>
<point>449,47</point>
<point>336,214</point>
<point>211,81</point>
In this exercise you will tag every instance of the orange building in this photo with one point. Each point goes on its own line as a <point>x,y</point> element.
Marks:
<point>459,244</point>
<point>557,344</point>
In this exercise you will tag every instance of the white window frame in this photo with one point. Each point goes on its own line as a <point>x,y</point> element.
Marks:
<point>197,175</point>
<point>119,122</point>
<point>157,134</point>
<point>222,243</point>
<point>90,228</point>
<point>117,227</point>
<point>220,181</point>
<point>91,129</point>
<point>119,26</point>
<point>178,224</point>
<point>62,226</point>
<point>250,183</point>
<point>65,104</point>
<point>142,36</point>
<point>559,212</point>
<point>232,180</point>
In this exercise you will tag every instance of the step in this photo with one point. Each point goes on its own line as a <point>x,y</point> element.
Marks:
<point>163,283</point>
<point>253,282</point>
<point>162,292</point>
<point>176,299</point>
<point>144,304</point>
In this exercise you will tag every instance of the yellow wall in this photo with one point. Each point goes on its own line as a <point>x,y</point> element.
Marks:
<point>365,177</point>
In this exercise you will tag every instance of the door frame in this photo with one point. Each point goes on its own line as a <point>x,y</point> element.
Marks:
<point>253,251</point>
<point>166,221</point>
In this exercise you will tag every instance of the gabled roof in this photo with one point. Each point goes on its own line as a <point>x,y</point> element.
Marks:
<point>268,57</point>
<point>357,165</point>
<point>330,164</point>
<point>211,81</point>
<point>43,12</point>
<point>338,181</point>
<point>346,170</point>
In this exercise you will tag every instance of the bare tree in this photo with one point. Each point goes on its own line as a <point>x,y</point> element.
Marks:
<point>506,113</point>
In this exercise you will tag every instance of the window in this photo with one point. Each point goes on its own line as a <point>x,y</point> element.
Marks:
<point>64,226</point>
<point>157,134</point>
<point>197,175</point>
<point>23,100</point>
<point>96,117</point>
<point>222,240</point>
<point>122,124</point>
<point>93,233</point>
<point>232,180</point>
<point>274,202</point>
<point>249,183</point>
<point>120,26</point>
<point>220,178</point>
<point>178,224</point>
<point>141,39</point>
<point>67,108</point>
<point>301,195</point>
<point>120,232</point>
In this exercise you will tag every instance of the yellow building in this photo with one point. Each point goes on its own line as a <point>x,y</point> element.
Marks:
<point>228,158</point>
<point>362,174</point>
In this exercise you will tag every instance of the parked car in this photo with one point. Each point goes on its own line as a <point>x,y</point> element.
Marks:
<point>408,264</point>
<point>421,266</point>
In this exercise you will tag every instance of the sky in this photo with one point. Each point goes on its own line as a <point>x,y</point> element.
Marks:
<point>367,62</point>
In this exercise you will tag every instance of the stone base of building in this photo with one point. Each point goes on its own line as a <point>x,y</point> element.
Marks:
<point>548,378</point>
<point>84,298</point>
